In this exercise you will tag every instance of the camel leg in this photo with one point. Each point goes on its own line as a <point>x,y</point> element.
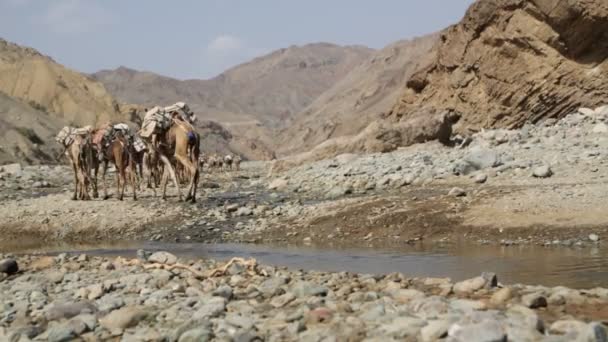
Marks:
<point>95,172</point>
<point>104,169</point>
<point>163,184</point>
<point>134,180</point>
<point>190,170</point>
<point>169,168</point>
<point>120,182</point>
<point>75,196</point>
<point>84,186</point>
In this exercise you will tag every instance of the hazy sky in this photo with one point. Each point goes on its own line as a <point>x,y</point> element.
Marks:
<point>201,38</point>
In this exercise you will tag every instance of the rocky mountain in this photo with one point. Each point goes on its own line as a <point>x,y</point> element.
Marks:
<point>352,103</point>
<point>65,94</point>
<point>268,89</point>
<point>27,133</point>
<point>512,61</point>
<point>39,96</point>
<point>506,63</point>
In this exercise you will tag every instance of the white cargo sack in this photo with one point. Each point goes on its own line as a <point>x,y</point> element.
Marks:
<point>156,120</point>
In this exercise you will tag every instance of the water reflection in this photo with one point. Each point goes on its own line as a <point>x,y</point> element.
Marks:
<point>577,268</point>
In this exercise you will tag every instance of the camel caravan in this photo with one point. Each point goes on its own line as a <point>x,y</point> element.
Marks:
<point>167,146</point>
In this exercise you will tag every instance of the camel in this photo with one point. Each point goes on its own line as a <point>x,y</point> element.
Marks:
<point>78,150</point>
<point>228,162</point>
<point>237,162</point>
<point>120,155</point>
<point>182,142</point>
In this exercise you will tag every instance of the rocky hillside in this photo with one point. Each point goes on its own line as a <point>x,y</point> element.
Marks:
<point>506,63</point>
<point>512,61</point>
<point>267,90</point>
<point>46,85</point>
<point>352,103</point>
<point>27,133</point>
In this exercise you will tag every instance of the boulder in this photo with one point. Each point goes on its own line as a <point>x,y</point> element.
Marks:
<point>9,266</point>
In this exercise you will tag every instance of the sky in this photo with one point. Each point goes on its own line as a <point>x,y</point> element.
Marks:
<point>202,38</point>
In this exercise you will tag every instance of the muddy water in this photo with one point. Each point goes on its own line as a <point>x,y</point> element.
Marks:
<point>576,268</point>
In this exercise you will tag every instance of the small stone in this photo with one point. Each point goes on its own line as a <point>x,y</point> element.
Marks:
<point>403,327</point>
<point>481,178</point>
<point>542,172</point>
<point>564,327</point>
<point>594,237</point>
<point>212,308</point>
<point>595,332</point>
<point>491,279</point>
<point>319,315</point>
<point>600,128</point>
<point>469,286</point>
<point>457,192</point>
<point>278,184</point>
<point>69,310</point>
<point>486,331</point>
<point>306,289</point>
<point>42,263</point>
<point>122,318</point>
<point>9,266</point>
<point>95,291</point>
<point>534,301</point>
<point>143,255</point>
<point>435,330</point>
<point>281,301</point>
<point>163,258</point>
<point>224,291</point>
<point>501,296</point>
<point>55,277</point>
<point>196,335</point>
<point>12,169</point>
<point>61,333</point>
<point>407,295</point>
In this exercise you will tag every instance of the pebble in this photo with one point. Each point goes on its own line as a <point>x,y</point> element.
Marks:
<point>481,178</point>
<point>594,237</point>
<point>457,192</point>
<point>542,172</point>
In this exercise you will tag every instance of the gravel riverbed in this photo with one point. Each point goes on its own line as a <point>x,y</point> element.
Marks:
<point>158,297</point>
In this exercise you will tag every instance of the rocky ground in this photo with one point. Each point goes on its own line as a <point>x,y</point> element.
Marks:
<point>542,184</point>
<point>160,298</point>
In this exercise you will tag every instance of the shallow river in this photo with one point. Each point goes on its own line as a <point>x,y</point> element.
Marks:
<point>576,268</point>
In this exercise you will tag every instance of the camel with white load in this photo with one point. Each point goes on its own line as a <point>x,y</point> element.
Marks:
<point>172,139</point>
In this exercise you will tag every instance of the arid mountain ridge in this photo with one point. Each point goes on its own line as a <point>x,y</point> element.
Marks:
<point>505,63</point>
<point>268,89</point>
